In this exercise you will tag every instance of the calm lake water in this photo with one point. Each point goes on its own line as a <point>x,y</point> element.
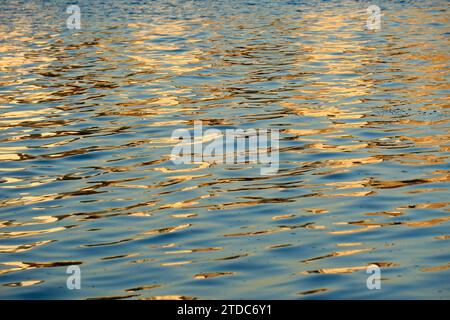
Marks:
<point>86,118</point>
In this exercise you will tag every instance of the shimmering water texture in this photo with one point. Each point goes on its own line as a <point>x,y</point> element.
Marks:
<point>85,141</point>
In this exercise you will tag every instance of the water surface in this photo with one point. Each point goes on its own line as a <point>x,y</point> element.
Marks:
<point>86,179</point>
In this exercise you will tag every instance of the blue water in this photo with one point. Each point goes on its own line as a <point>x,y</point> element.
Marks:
<point>86,178</point>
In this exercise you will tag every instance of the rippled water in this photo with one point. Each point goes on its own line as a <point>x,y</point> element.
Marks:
<point>86,177</point>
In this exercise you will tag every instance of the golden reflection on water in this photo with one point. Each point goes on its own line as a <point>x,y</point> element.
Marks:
<point>86,119</point>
